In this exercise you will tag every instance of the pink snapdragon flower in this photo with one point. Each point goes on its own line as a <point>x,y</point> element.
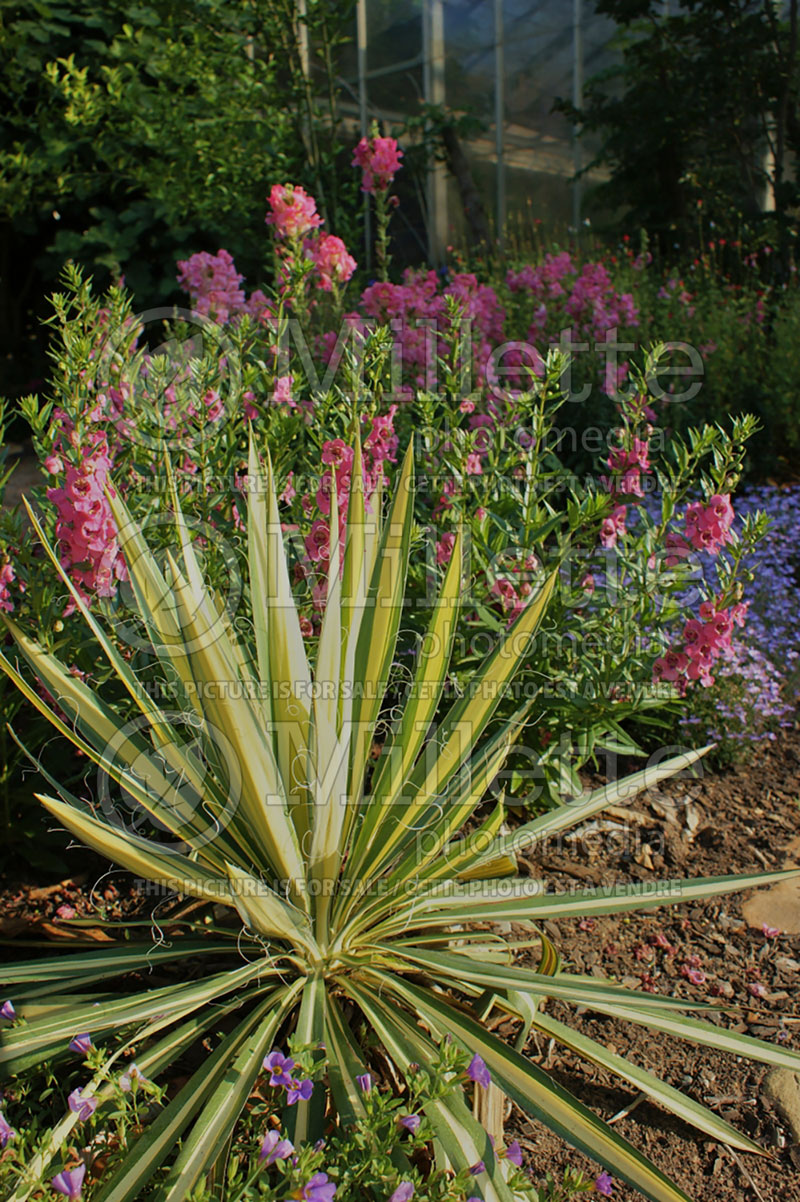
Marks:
<point>292,211</point>
<point>86,529</point>
<point>332,261</point>
<point>444,548</point>
<point>379,160</point>
<point>613,526</point>
<point>7,576</point>
<point>213,283</point>
<point>282,392</point>
<point>708,527</point>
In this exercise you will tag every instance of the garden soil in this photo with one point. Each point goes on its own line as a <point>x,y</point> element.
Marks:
<point>742,819</point>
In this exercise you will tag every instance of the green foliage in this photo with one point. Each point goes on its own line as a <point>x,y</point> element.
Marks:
<point>686,119</point>
<point>135,135</point>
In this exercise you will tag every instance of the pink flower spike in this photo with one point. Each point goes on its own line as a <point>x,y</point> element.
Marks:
<point>379,160</point>
<point>292,211</point>
<point>332,261</point>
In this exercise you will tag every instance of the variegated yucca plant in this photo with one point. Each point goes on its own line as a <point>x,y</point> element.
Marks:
<point>360,911</point>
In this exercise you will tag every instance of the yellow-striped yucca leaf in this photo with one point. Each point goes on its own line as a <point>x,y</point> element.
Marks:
<point>360,892</point>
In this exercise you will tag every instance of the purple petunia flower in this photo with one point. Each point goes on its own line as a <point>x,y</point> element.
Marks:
<point>7,1010</point>
<point>297,1089</point>
<point>83,1107</point>
<point>411,1122</point>
<point>279,1067</point>
<point>514,1153</point>
<point>82,1044</point>
<point>478,1072</point>
<point>404,1191</point>
<point>365,1082</point>
<point>131,1078</point>
<point>480,1167</point>
<point>274,1148</point>
<point>318,1189</point>
<point>603,1184</point>
<point>70,1181</point>
<point>7,1132</point>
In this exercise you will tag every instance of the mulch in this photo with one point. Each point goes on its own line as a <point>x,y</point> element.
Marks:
<point>742,819</point>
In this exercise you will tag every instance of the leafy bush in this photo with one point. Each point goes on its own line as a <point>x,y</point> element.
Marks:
<point>133,136</point>
<point>493,457</point>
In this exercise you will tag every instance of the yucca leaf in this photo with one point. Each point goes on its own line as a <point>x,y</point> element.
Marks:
<point>574,812</point>
<point>708,1034</point>
<point>345,1064</point>
<point>222,1108</point>
<point>461,729</point>
<point>107,962</point>
<point>283,666</point>
<point>527,1085</point>
<point>515,901</point>
<point>126,755</point>
<point>331,740</point>
<point>208,842</point>
<point>163,1134</point>
<point>141,856</point>
<point>404,744</point>
<point>677,1103</point>
<point>141,560</point>
<point>169,1003</point>
<point>303,1121</point>
<point>154,601</point>
<point>262,909</point>
<point>263,806</point>
<point>429,859</point>
<point>455,970</point>
<point>462,1137</point>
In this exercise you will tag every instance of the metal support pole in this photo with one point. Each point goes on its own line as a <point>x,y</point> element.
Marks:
<point>434,84</point>
<point>363,113</point>
<point>577,100</point>
<point>302,38</point>
<point>499,118</point>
